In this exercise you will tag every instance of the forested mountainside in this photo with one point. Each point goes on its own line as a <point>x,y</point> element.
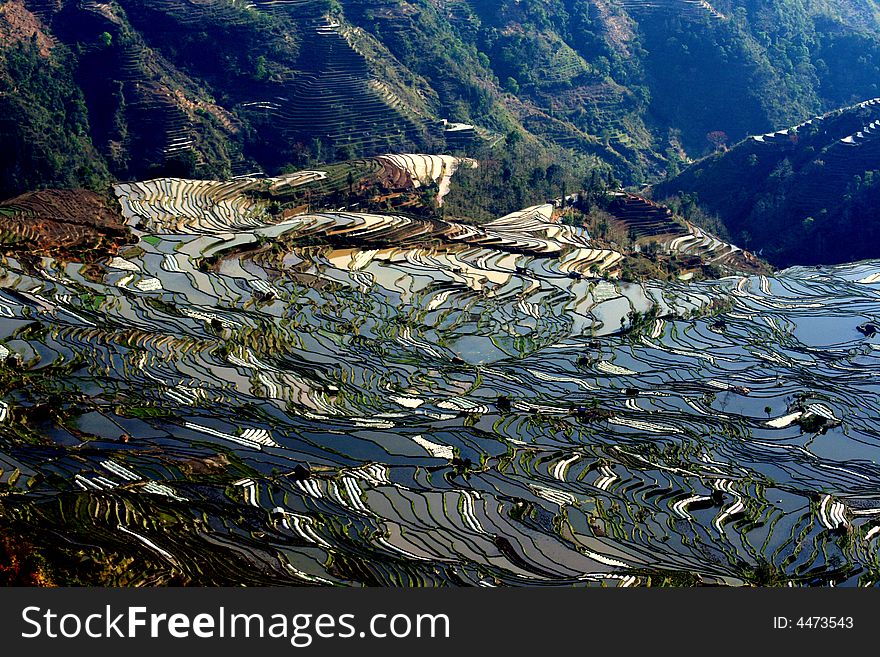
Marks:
<point>809,194</point>
<point>127,89</point>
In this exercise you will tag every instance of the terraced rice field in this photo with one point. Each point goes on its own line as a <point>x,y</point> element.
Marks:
<point>336,98</point>
<point>649,222</point>
<point>685,8</point>
<point>849,150</point>
<point>351,402</point>
<point>784,137</point>
<point>426,169</point>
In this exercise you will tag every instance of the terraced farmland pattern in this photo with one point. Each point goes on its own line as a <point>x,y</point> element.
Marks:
<point>339,397</point>
<point>821,173</point>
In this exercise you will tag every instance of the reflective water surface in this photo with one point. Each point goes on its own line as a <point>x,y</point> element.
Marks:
<point>429,415</point>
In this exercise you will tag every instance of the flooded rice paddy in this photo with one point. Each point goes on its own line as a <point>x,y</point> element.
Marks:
<point>455,415</point>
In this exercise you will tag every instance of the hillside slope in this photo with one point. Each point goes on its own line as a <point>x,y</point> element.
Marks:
<point>131,89</point>
<point>806,195</point>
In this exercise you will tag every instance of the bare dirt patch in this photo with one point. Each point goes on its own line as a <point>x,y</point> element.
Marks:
<point>17,24</point>
<point>61,223</point>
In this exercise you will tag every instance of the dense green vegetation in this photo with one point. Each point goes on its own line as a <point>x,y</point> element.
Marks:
<point>803,198</point>
<point>641,95</point>
<point>515,174</point>
<point>44,140</point>
<point>137,89</point>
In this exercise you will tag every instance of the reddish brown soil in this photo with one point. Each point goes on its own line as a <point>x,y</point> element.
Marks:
<point>394,177</point>
<point>61,223</point>
<point>18,24</point>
